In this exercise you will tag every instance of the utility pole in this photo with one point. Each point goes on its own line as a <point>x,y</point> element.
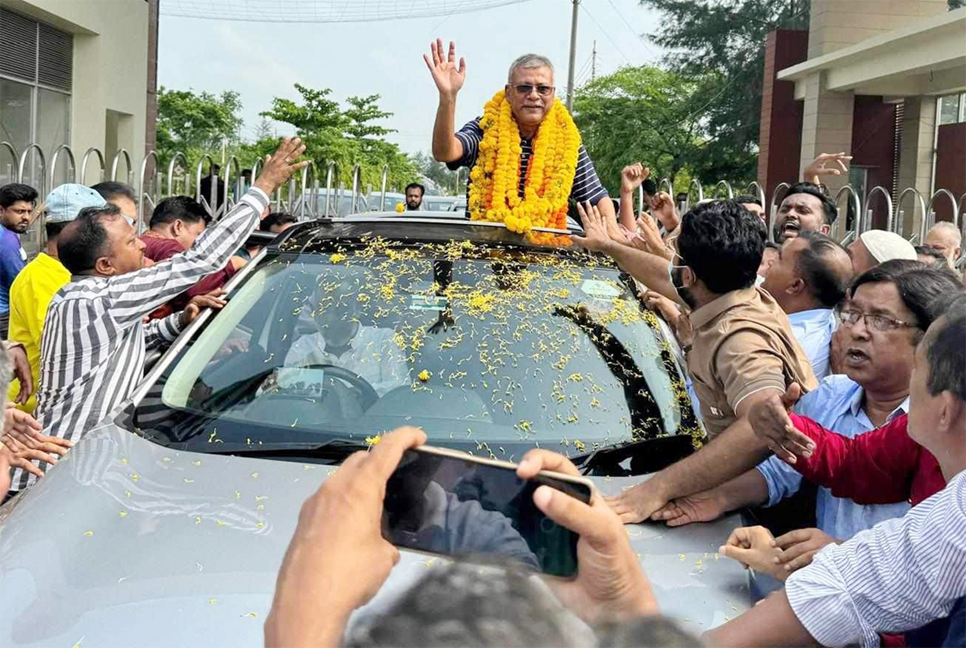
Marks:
<point>573,56</point>
<point>593,64</point>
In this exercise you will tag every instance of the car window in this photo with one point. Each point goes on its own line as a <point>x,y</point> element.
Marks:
<point>483,348</point>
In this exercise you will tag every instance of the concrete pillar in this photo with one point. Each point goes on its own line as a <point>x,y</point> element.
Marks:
<point>834,24</point>
<point>916,154</point>
<point>827,128</point>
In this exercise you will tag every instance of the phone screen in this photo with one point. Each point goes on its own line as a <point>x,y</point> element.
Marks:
<point>458,507</point>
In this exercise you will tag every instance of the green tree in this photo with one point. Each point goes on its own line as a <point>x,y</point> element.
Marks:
<point>439,173</point>
<point>723,42</point>
<point>196,123</point>
<point>345,137</point>
<point>642,114</point>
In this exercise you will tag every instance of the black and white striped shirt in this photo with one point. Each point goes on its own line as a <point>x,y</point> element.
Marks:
<point>94,341</point>
<point>587,186</point>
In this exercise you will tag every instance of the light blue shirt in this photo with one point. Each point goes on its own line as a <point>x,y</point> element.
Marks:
<point>900,575</point>
<point>813,329</point>
<point>836,405</point>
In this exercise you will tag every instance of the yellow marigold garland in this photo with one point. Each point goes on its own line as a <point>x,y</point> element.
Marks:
<point>495,179</point>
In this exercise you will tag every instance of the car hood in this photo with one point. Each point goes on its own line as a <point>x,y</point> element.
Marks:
<point>126,542</point>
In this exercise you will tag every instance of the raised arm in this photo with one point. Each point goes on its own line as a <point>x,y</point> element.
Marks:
<point>631,178</point>
<point>449,79</point>
<point>136,294</point>
<point>649,269</point>
<point>873,468</point>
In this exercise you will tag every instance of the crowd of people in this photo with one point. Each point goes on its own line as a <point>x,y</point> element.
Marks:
<point>812,366</point>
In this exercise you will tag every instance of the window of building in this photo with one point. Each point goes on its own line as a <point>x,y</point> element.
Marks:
<point>952,109</point>
<point>36,67</point>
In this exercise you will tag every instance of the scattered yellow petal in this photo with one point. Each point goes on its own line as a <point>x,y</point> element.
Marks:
<point>424,375</point>
<point>373,440</point>
<point>260,507</point>
<point>197,463</point>
<point>237,495</point>
<point>254,475</point>
<point>681,557</point>
<point>122,513</point>
<point>88,533</point>
<point>221,523</point>
<point>197,520</point>
<point>338,257</point>
<point>189,481</point>
<point>259,525</point>
<point>135,477</point>
<point>127,493</point>
<point>212,601</point>
<point>253,615</point>
<point>124,461</point>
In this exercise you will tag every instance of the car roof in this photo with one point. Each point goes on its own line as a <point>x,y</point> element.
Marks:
<point>414,227</point>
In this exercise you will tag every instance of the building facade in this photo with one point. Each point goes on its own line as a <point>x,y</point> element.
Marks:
<point>882,80</point>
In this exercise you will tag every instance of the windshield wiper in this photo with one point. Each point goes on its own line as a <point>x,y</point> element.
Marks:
<point>336,450</point>
<point>661,452</point>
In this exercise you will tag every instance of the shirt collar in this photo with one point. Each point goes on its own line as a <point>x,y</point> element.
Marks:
<point>855,405</point>
<point>817,314</point>
<point>727,301</point>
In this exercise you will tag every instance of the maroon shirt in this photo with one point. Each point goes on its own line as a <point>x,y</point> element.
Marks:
<point>883,466</point>
<point>158,248</point>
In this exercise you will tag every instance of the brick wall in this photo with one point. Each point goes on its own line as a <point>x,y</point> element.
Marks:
<point>950,167</point>
<point>780,133</point>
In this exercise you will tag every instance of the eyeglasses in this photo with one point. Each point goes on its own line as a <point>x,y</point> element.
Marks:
<point>849,316</point>
<point>527,88</point>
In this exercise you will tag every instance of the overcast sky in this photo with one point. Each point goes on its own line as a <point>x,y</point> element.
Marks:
<point>264,60</point>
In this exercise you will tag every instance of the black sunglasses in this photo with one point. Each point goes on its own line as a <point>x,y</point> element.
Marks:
<point>527,88</point>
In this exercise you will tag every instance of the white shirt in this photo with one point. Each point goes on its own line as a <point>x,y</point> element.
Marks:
<point>372,355</point>
<point>813,329</point>
<point>897,576</point>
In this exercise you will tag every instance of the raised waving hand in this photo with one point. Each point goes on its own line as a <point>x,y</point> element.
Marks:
<point>448,76</point>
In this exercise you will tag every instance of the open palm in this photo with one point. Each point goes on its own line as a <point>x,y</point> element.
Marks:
<point>448,76</point>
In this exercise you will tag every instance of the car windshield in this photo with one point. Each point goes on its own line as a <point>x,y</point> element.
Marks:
<point>485,349</point>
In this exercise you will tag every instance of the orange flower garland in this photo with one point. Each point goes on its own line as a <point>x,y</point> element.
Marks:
<point>494,192</point>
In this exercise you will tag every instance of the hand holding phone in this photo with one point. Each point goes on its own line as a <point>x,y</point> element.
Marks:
<point>610,584</point>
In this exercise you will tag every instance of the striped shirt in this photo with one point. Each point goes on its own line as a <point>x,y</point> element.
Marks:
<point>587,186</point>
<point>897,576</point>
<point>94,342</point>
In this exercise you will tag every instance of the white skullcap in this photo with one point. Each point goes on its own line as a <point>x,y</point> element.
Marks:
<point>886,246</point>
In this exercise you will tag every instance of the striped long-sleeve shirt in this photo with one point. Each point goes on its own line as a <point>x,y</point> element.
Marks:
<point>899,575</point>
<point>94,342</point>
<point>587,186</point>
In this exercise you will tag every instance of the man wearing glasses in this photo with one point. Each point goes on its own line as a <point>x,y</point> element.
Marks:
<point>16,205</point>
<point>530,91</point>
<point>889,309</point>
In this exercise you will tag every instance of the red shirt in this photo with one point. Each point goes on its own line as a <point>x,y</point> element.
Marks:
<point>158,248</point>
<point>879,467</point>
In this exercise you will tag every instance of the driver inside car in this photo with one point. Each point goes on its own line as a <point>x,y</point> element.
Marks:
<point>341,340</point>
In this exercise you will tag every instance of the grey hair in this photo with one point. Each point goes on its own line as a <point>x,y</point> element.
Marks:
<point>466,604</point>
<point>528,62</point>
<point>946,353</point>
<point>946,225</point>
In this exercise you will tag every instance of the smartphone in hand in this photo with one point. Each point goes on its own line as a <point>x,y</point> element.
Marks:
<point>450,503</point>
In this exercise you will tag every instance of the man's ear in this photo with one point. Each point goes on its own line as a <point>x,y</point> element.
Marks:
<point>825,229</point>
<point>104,267</point>
<point>177,227</point>
<point>950,410</point>
<point>796,287</point>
